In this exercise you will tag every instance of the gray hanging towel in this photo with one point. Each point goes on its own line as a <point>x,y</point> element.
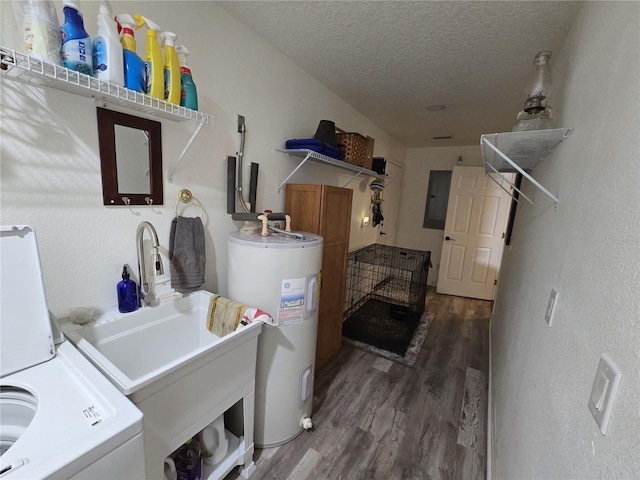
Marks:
<point>187,253</point>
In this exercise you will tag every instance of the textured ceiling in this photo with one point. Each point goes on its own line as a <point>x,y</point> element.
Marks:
<point>392,59</point>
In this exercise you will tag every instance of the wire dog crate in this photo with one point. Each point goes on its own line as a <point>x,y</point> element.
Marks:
<point>389,274</point>
<point>385,294</point>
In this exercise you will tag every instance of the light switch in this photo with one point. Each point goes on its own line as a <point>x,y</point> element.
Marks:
<point>603,392</point>
<point>599,390</point>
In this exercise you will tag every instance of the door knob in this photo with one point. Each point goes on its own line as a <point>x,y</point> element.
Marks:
<point>448,238</point>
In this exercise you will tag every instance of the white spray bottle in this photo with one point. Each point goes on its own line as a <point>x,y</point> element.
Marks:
<point>108,64</point>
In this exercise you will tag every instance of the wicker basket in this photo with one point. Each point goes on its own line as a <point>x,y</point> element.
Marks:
<point>353,146</point>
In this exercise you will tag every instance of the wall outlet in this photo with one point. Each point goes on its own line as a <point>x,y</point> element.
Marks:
<point>551,306</point>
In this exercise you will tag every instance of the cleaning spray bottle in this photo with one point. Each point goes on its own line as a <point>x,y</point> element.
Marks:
<point>41,29</point>
<point>134,74</point>
<point>107,49</point>
<point>188,93</point>
<point>171,69</point>
<point>153,58</point>
<point>76,43</point>
<point>127,293</point>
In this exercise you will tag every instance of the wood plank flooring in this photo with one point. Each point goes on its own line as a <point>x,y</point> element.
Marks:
<point>377,419</point>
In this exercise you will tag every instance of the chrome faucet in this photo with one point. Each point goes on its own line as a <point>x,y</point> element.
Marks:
<point>156,260</point>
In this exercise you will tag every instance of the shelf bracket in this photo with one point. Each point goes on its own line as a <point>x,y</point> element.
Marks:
<point>294,171</point>
<point>510,183</point>
<point>184,151</point>
<point>518,169</point>
<point>352,179</point>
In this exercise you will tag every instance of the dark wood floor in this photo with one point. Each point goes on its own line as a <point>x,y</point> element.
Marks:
<point>377,419</point>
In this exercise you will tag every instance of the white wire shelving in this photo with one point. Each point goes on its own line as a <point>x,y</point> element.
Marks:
<point>319,158</point>
<point>28,70</point>
<point>520,152</point>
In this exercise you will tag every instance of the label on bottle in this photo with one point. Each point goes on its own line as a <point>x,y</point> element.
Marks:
<point>134,72</point>
<point>167,82</point>
<point>76,55</point>
<point>148,71</point>
<point>42,40</point>
<point>100,56</point>
<point>188,93</point>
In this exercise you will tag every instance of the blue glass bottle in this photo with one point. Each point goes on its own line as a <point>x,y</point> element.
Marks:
<point>127,293</point>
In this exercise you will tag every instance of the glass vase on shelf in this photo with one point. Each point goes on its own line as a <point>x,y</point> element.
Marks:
<point>537,114</point>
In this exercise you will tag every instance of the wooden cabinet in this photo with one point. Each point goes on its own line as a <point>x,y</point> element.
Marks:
<point>326,211</point>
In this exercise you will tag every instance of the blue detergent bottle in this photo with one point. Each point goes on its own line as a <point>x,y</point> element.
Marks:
<point>127,293</point>
<point>76,43</point>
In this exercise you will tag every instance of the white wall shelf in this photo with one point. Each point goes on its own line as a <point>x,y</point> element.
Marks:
<point>520,152</point>
<point>25,69</point>
<point>319,158</point>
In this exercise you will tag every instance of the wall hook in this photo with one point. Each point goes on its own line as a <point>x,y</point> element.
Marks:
<point>126,200</point>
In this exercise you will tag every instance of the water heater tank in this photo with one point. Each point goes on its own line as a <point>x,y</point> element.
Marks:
<point>280,275</point>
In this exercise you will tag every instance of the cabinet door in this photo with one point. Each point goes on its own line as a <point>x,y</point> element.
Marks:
<point>335,215</point>
<point>330,313</point>
<point>325,210</point>
<point>303,204</point>
<point>335,221</point>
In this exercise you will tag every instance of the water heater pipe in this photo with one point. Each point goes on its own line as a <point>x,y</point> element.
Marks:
<point>234,170</point>
<point>265,225</point>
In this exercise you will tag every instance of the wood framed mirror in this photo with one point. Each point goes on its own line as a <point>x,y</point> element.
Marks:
<point>130,159</point>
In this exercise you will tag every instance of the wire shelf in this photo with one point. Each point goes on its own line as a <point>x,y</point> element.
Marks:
<point>26,69</point>
<point>524,149</point>
<point>319,158</point>
<point>520,152</point>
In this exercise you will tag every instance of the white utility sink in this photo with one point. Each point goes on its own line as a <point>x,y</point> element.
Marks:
<point>141,347</point>
<point>176,371</point>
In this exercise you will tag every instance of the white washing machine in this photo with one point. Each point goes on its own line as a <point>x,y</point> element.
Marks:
<point>59,416</point>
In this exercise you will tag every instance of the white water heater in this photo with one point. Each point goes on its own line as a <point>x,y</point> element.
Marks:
<point>280,275</point>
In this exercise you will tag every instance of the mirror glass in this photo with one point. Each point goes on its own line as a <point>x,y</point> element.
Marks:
<point>130,159</point>
<point>132,147</point>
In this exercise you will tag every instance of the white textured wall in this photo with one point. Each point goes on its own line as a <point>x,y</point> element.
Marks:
<point>418,163</point>
<point>51,169</point>
<point>588,250</point>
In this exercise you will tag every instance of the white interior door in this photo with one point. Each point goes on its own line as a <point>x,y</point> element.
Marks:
<point>477,215</point>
